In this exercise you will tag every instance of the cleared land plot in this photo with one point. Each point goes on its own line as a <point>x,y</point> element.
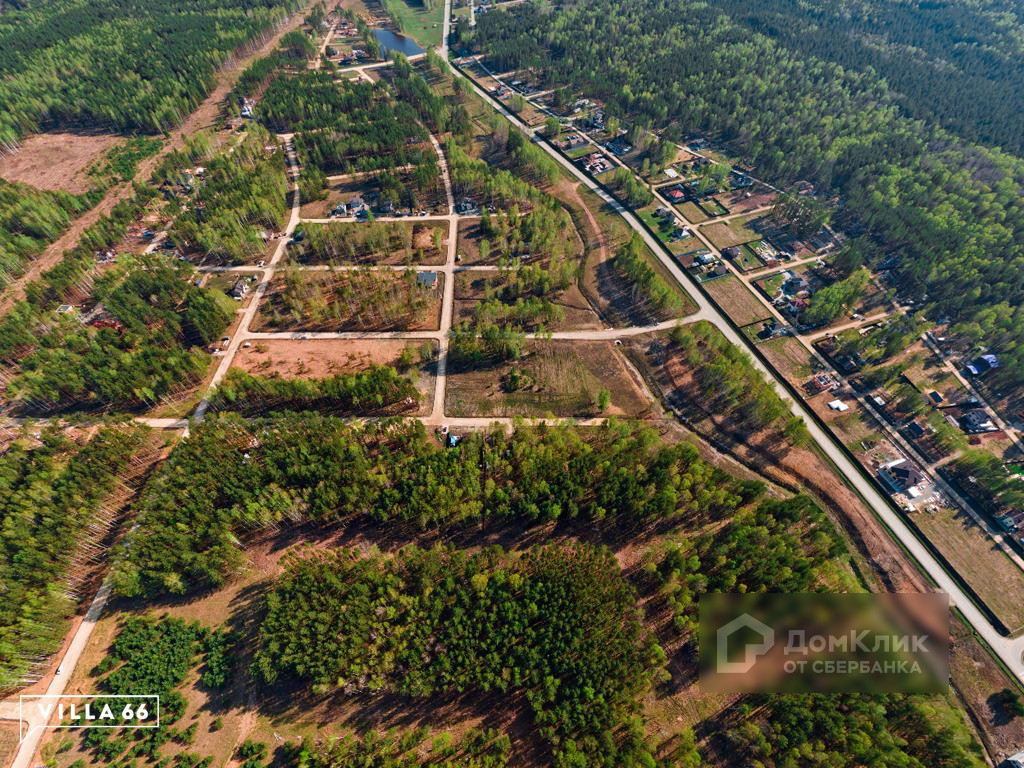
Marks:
<point>692,213</point>
<point>928,374</point>
<point>736,300</point>
<point>468,248</point>
<point>56,161</point>
<point>724,234</point>
<point>473,287</point>
<point>376,242</point>
<point>529,114</point>
<point>989,572</point>
<point>747,260</point>
<point>579,152</point>
<point>320,358</point>
<point>714,207</point>
<point>789,356</point>
<point>350,300</point>
<point>738,202</point>
<point>560,378</point>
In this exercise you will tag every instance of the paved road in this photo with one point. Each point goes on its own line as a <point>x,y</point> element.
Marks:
<point>1009,651</point>
<point>34,732</point>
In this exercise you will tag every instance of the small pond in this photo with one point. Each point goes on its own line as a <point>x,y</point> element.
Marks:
<point>392,41</point>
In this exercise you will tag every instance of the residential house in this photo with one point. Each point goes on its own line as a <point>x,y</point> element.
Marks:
<point>240,289</point>
<point>675,194</point>
<point>901,476</point>
<point>977,421</point>
<point>741,180</point>
<point>982,364</point>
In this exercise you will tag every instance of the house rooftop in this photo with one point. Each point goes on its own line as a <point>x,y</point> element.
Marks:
<point>900,476</point>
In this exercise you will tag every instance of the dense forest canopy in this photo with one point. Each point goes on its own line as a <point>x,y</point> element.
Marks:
<point>958,63</point>
<point>31,218</point>
<point>118,64</point>
<point>232,475</point>
<point>240,198</point>
<point>51,495</point>
<point>951,211</point>
<point>557,623</point>
<point>152,321</point>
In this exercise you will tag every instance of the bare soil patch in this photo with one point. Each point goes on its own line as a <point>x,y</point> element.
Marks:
<point>738,202</point>
<point>321,358</point>
<point>8,741</point>
<point>57,161</point>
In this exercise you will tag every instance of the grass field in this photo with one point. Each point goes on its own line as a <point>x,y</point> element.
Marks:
<point>692,212</point>
<point>998,582</point>
<point>586,149</point>
<point>747,261</point>
<point>789,356</point>
<point>736,300</point>
<point>422,24</point>
<point>555,378</point>
<point>724,234</point>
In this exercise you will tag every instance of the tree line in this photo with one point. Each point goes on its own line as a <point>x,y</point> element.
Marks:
<point>730,384</point>
<point>51,495</point>
<point>377,390</point>
<point>649,287</point>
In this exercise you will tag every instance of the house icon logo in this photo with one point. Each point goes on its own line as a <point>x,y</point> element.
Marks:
<point>752,650</point>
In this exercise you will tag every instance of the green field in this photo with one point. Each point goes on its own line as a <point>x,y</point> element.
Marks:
<point>420,22</point>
